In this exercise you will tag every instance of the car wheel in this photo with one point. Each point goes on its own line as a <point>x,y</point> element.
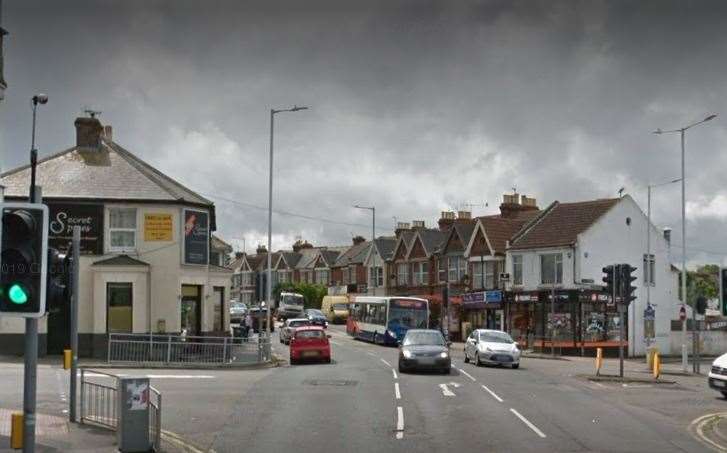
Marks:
<point>477,359</point>
<point>447,370</point>
<point>293,361</point>
<point>401,368</point>
<point>724,394</point>
<point>466,359</point>
<point>328,360</point>
<point>515,366</point>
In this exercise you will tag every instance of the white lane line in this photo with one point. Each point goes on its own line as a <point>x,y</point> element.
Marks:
<point>394,372</point>
<point>371,354</point>
<point>396,390</point>
<point>467,374</point>
<point>387,363</point>
<point>528,423</point>
<point>494,395</point>
<point>399,422</point>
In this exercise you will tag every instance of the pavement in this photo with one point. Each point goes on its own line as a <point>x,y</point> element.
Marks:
<point>361,403</point>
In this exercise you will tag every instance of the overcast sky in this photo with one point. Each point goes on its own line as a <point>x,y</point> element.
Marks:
<point>415,107</point>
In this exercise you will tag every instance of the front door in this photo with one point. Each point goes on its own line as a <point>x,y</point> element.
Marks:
<point>191,309</point>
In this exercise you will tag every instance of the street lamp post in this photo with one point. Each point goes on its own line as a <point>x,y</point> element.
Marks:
<point>681,132</point>
<point>269,283</point>
<point>373,242</point>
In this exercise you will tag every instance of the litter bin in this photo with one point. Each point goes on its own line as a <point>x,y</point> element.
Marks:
<point>132,433</point>
<point>650,353</point>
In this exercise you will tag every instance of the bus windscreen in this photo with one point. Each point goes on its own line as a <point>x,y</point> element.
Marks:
<point>411,314</point>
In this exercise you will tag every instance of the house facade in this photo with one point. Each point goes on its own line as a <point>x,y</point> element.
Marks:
<point>146,247</point>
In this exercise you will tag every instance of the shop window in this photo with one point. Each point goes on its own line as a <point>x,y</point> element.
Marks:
<point>649,264</point>
<point>119,308</point>
<point>517,270</point>
<point>551,268</point>
<point>122,229</point>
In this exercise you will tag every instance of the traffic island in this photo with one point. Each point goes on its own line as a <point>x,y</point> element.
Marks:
<point>623,380</point>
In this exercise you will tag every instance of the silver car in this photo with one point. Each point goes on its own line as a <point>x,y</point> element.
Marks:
<point>289,326</point>
<point>493,347</point>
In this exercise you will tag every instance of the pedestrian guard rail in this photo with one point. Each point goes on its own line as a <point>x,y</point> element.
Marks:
<point>98,404</point>
<point>158,349</point>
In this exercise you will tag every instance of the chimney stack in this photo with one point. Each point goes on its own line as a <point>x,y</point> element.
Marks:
<point>358,240</point>
<point>513,205</point>
<point>88,133</point>
<point>417,225</point>
<point>446,221</point>
<point>464,217</point>
<point>400,227</point>
<point>261,249</point>
<point>108,133</point>
<point>238,255</point>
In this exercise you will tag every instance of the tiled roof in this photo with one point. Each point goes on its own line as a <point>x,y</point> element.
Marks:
<point>120,260</point>
<point>561,223</point>
<point>219,244</point>
<point>109,173</point>
<point>385,247</point>
<point>329,256</point>
<point>291,258</point>
<point>432,240</point>
<point>500,229</point>
<point>354,255</point>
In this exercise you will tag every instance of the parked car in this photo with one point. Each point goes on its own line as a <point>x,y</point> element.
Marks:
<point>495,347</point>
<point>335,308</point>
<point>259,319</point>
<point>718,375</point>
<point>424,349</point>
<point>238,311</point>
<point>289,326</point>
<point>316,317</point>
<point>309,343</point>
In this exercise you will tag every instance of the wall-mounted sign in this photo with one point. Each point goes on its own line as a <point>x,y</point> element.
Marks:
<point>157,227</point>
<point>62,217</point>
<point>482,297</point>
<point>196,237</point>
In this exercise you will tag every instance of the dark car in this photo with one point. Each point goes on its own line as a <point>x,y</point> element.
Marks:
<point>316,317</point>
<point>424,349</point>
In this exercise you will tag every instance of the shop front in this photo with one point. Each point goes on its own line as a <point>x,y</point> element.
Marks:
<point>578,322</point>
<point>483,310</point>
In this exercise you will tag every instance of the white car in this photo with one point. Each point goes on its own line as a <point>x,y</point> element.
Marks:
<point>718,375</point>
<point>495,347</point>
<point>289,326</point>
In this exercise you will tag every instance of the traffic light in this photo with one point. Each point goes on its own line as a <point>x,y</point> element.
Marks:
<point>625,279</point>
<point>608,279</point>
<point>723,289</point>
<point>58,282</point>
<point>23,259</point>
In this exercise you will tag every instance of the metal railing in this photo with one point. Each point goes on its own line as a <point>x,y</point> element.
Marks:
<point>98,400</point>
<point>193,350</point>
<point>99,407</point>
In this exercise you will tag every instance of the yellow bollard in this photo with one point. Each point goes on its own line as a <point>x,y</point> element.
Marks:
<point>599,360</point>
<point>66,359</point>
<point>16,431</point>
<point>657,365</point>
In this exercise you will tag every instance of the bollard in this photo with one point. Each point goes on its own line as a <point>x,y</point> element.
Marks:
<point>16,431</point>
<point>599,360</point>
<point>657,365</point>
<point>67,356</point>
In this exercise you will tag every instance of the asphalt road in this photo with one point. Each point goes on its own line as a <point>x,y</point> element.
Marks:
<point>360,403</point>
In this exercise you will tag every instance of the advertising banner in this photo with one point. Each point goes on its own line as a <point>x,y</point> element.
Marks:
<point>62,217</point>
<point>157,227</point>
<point>196,237</point>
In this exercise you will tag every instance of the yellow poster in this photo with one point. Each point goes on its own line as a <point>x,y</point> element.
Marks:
<point>157,227</point>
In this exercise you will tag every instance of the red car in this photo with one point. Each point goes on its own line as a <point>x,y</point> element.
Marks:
<point>309,343</point>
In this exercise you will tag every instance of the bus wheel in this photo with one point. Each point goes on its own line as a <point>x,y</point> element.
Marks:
<point>376,338</point>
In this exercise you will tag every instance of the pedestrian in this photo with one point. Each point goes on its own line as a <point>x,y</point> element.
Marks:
<point>248,325</point>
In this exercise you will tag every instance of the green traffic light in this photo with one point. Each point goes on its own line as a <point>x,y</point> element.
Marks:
<point>17,294</point>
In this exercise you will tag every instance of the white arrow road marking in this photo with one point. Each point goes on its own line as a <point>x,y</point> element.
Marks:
<point>399,422</point>
<point>527,422</point>
<point>454,384</point>
<point>494,395</point>
<point>445,390</point>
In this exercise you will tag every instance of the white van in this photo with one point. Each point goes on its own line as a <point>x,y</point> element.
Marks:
<point>335,308</point>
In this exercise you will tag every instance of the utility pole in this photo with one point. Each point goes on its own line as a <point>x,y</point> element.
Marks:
<point>75,271</point>
<point>617,289</point>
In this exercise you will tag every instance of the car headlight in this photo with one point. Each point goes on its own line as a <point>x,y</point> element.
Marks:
<point>391,333</point>
<point>407,354</point>
<point>444,354</point>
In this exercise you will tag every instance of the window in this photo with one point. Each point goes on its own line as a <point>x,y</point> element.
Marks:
<point>122,229</point>
<point>283,276</point>
<point>457,268</point>
<point>442,269</point>
<point>119,308</point>
<point>246,278</point>
<point>376,273</point>
<point>402,274</point>
<point>219,303</point>
<point>352,275</point>
<point>322,276</point>
<point>477,281</point>
<point>649,268</point>
<point>551,265</point>
<point>517,269</point>
<point>489,277</point>
<point>421,273</point>
<point>490,271</point>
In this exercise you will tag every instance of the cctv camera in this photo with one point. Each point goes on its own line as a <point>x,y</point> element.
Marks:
<point>40,98</point>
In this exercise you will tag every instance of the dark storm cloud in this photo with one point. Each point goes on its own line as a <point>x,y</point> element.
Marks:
<point>416,106</point>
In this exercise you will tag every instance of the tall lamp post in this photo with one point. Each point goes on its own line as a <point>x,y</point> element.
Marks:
<point>269,283</point>
<point>681,132</point>
<point>373,241</point>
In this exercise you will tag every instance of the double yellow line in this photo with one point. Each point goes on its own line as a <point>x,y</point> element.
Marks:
<point>181,443</point>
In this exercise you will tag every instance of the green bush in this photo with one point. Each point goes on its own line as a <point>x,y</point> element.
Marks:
<point>312,293</point>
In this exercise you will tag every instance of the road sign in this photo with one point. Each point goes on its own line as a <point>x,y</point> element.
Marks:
<point>682,313</point>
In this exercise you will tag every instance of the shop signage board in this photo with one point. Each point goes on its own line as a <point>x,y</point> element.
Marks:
<point>196,237</point>
<point>526,297</point>
<point>482,298</point>
<point>157,227</point>
<point>62,217</point>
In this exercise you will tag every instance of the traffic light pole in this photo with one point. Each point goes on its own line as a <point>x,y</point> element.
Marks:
<point>616,286</point>
<point>76,250</point>
<point>31,349</point>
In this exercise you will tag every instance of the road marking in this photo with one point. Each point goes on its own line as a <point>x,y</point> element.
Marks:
<point>371,354</point>
<point>396,390</point>
<point>387,363</point>
<point>696,428</point>
<point>337,344</point>
<point>394,372</point>
<point>467,374</point>
<point>494,395</point>
<point>528,423</point>
<point>399,422</point>
<point>156,376</point>
<point>446,391</point>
